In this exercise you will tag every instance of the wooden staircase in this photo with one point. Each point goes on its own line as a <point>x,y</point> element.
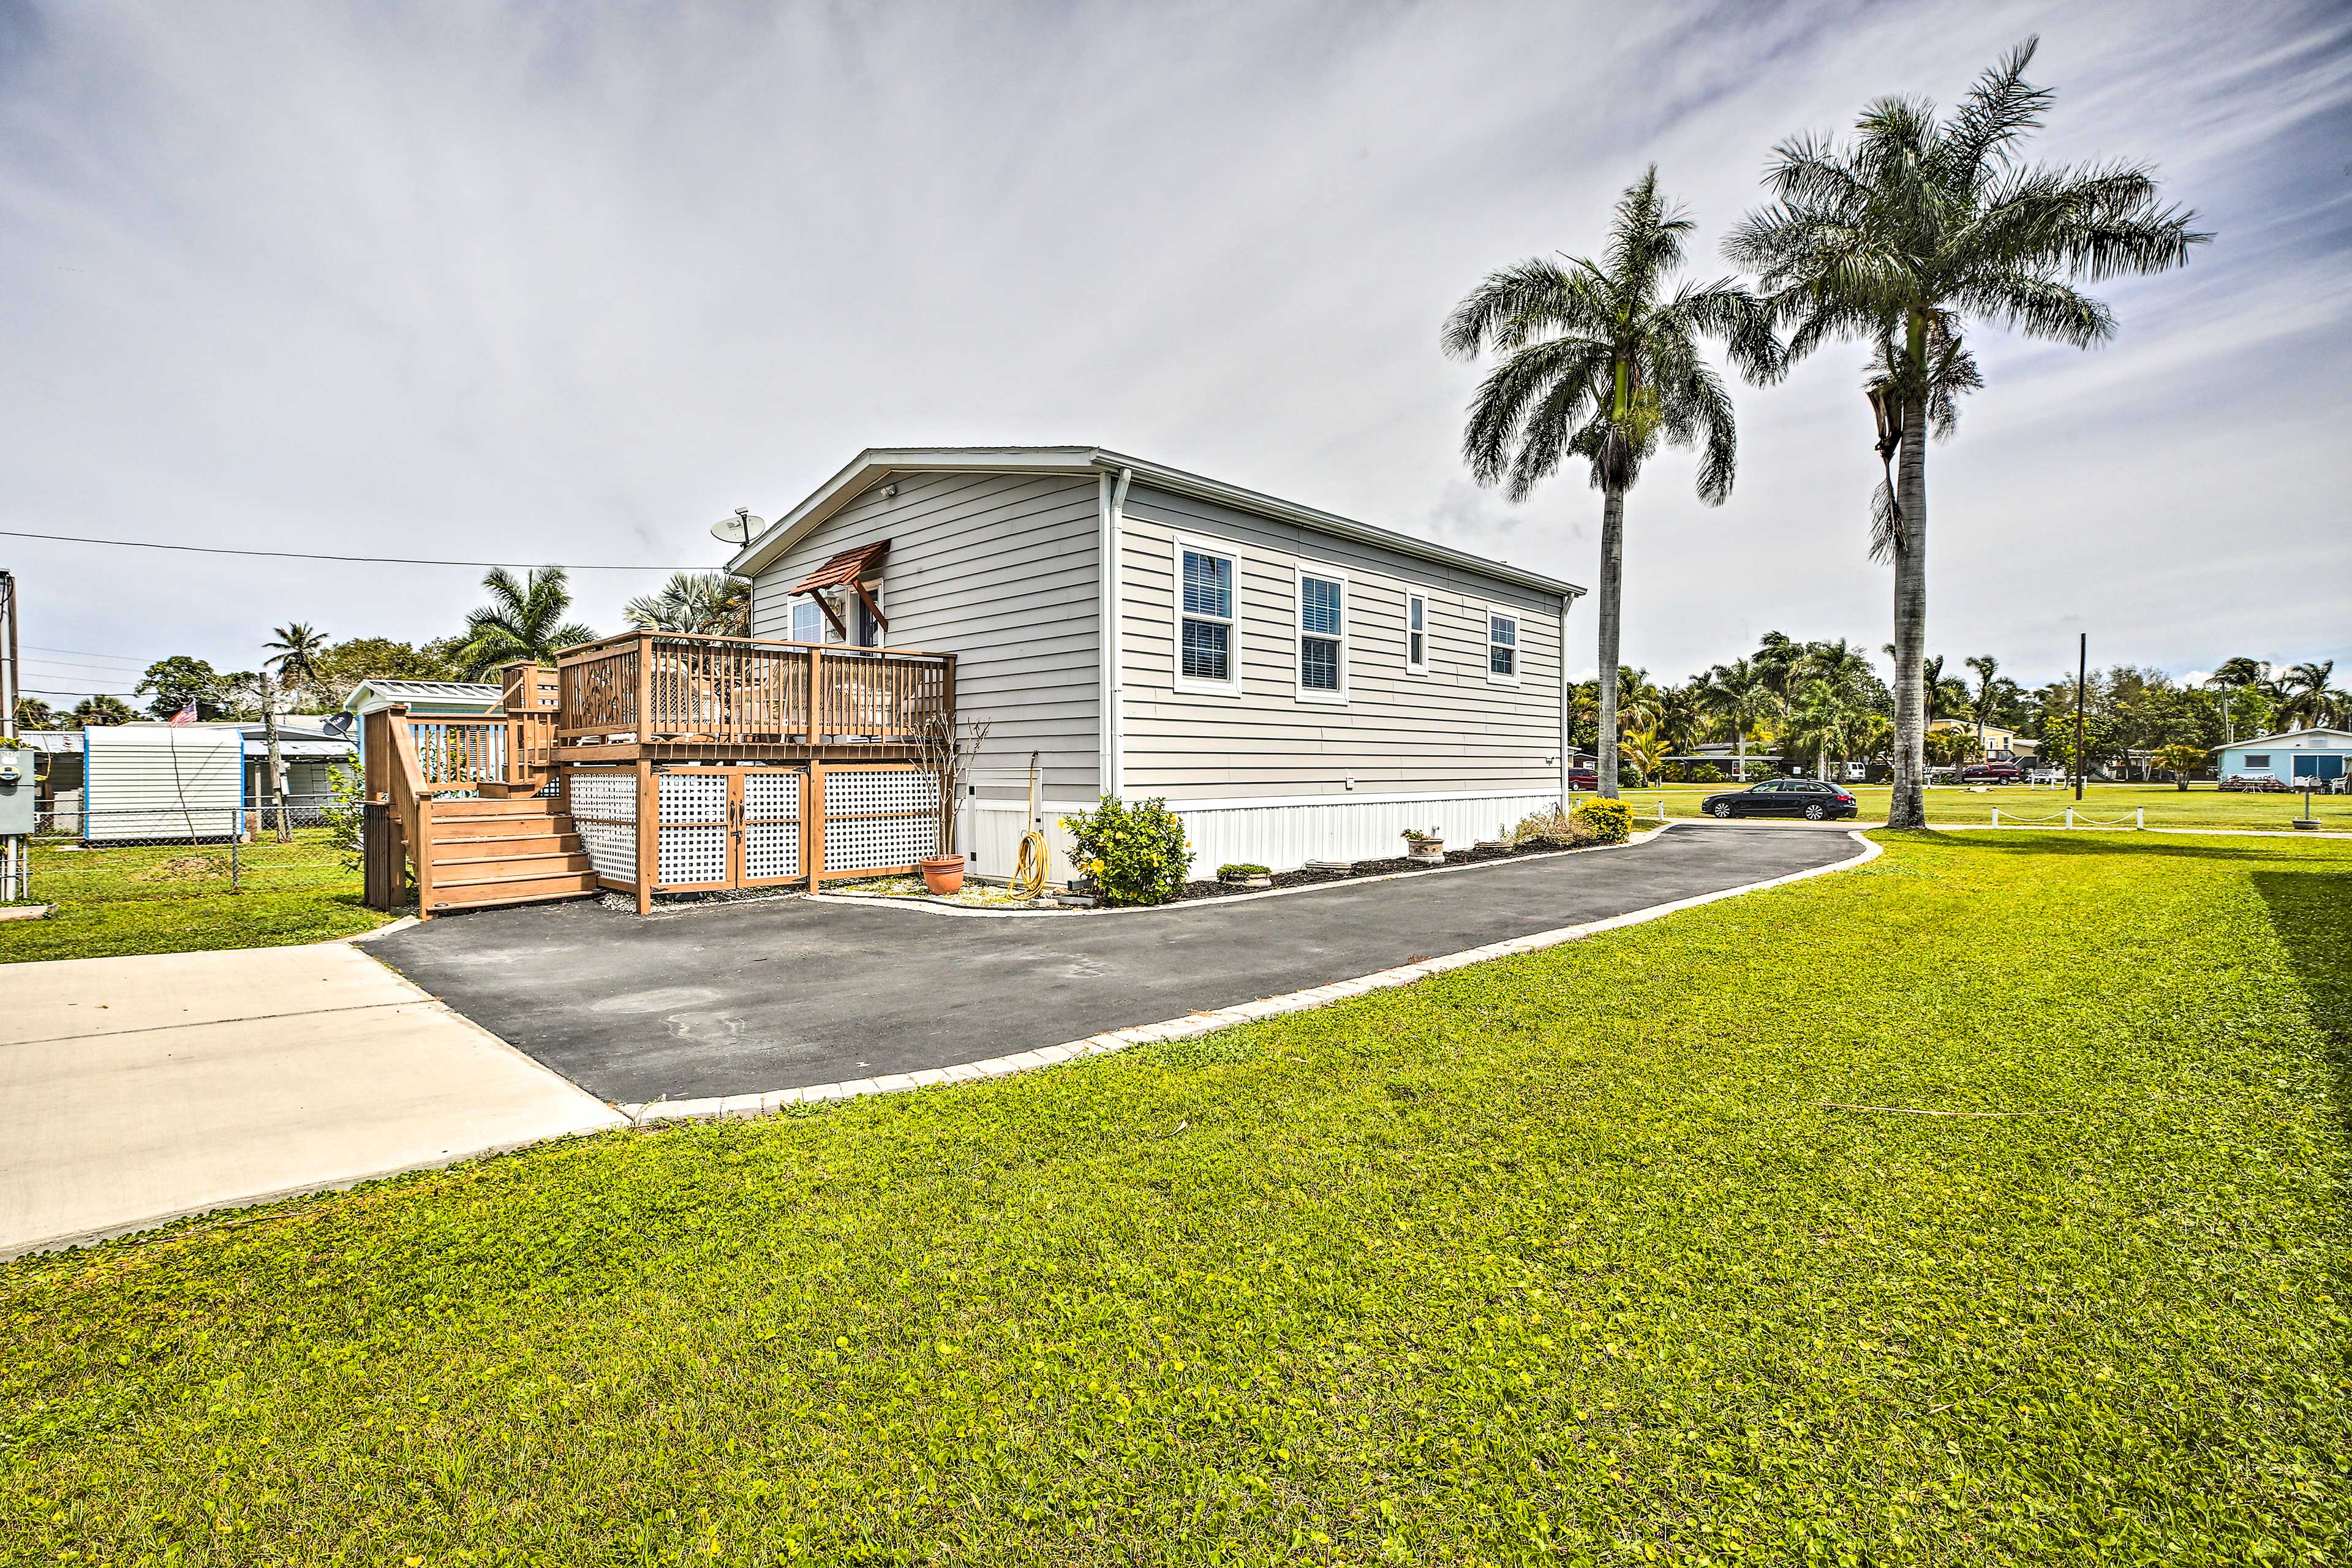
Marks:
<point>478,853</point>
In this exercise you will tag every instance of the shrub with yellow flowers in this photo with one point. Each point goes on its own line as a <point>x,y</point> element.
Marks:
<point>1134,854</point>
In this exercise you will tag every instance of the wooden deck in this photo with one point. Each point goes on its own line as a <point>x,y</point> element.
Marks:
<point>656,761</point>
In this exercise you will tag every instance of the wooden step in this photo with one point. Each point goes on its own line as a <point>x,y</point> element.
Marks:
<point>520,805</point>
<point>512,891</point>
<point>519,868</point>
<point>554,840</point>
<point>452,906</point>
<point>447,829</point>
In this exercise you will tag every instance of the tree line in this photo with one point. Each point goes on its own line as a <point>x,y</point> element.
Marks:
<point>524,617</point>
<point>1819,703</point>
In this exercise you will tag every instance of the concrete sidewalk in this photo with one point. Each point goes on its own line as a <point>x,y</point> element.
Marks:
<point>136,1090</point>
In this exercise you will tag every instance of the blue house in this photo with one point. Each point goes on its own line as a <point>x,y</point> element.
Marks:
<point>2299,758</point>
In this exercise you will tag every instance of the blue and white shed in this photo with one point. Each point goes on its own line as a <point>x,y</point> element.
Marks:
<point>2301,758</point>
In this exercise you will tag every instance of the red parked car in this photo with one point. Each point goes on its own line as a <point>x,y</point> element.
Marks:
<point>1991,772</point>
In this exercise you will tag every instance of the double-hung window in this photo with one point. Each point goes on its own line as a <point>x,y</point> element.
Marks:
<point>1206,657</point>
<point>808,621</point>
<point>1322,635</point>
<point>1416,634</point>
<point>1501,648</point>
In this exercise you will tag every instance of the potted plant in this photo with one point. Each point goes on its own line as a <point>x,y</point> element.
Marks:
<point>948,751</point>
<point>1426,847</point>
<point>1245,876</point>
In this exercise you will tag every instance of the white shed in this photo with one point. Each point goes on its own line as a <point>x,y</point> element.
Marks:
<point>158,781</point>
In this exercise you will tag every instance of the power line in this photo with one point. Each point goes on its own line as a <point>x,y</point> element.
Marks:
<point>94,653</point>
<point>313,555</point>
<point>84,664</point>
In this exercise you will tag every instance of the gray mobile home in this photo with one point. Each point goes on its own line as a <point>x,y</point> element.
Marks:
<point>1296,685</point>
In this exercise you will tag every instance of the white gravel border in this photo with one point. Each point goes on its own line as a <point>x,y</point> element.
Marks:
<point>1196,1024</point>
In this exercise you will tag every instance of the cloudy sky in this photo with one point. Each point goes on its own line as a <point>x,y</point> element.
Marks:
<point>565,282</point>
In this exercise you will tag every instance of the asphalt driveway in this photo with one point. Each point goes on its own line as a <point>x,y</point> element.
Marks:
<point>745,998</point>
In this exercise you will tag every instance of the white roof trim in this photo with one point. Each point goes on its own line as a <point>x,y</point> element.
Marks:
<point>2284,735</point>
<point>874,465</point>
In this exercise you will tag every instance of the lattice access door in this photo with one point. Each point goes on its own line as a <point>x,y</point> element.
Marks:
<point>769,815</point>
<point>730,828</point>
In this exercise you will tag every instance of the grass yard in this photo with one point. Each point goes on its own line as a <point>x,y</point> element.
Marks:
<point>181,898</point>
<point>1557,1259</point>
<point>111,928</point>
<point>2166,804</point>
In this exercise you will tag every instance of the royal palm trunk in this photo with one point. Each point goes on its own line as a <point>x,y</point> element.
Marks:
<point>1908,807</point>
<point>1612,575</point>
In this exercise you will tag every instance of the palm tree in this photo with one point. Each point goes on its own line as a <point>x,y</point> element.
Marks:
<point>1827,721</point>
<point>1904,237</point>
<point>2309,696</point>
<point>95,712</point>
<point>298,646</point>
<point>1988,668</point>
<point>523,620</point>
<point>1598,362</point>
<point>706,603</point>
<point>1741,695</point>
<point>32,713</point>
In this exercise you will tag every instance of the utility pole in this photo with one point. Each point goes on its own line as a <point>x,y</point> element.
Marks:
<point>2081,683</point>
<point>12,690</point>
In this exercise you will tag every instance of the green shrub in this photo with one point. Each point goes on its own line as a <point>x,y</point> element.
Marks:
<point>1631,777</point>
<point>1612,821</point>
<point>1235,873</point>
<point>1136,854</point>
<point>1555,829</point>
<point>1704,773</point>
<point>346,813</point>
<point>1668,773</point>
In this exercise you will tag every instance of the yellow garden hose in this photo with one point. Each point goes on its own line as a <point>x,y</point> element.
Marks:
<point>1029,866</point>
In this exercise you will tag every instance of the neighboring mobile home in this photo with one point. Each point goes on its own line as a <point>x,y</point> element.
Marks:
<point>2301,758</point>
<point>1296,685</point>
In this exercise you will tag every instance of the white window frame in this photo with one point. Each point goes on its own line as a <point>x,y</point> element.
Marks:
<point>1416,666</point>
<point>1517,644</point>
<point>1299,571</point>
<point>1230,555</point>
<point>792,625</point>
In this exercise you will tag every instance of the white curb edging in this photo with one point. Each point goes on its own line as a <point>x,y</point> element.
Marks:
<point>1193,1025</point>
<point>1222,901</point>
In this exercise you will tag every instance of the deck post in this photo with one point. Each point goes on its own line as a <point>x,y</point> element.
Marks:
<point>645,688</point>
<point>812,821</point>
<point>648,835</point>
<point>815,686</point>
<point>421,851</point>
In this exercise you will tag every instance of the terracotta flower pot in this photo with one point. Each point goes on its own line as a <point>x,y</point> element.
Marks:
<point>943,873</point>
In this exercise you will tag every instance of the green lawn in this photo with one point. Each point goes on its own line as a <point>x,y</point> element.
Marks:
<point>1560,1259</point>
<point>181,898</point>
<point>2166,806</point>
<point>106,929</point>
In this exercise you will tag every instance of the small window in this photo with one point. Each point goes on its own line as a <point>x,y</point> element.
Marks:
<point>1503,649</point>
<point>1322,637</point>
<point>1417,635</point>
<point>2258,758</point>
<point>1205,655</point>
<point>808,621</point>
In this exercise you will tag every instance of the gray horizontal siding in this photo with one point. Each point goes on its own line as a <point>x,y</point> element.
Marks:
<point>1000,570</point>
<point>1450,729</point>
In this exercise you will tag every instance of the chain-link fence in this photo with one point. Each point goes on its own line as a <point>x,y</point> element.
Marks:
<point>85,857</point>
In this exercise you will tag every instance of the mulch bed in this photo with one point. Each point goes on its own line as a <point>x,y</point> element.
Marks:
<point>1304,878</point>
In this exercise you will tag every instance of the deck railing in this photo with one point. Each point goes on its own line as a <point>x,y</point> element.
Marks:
<point>659,686</point>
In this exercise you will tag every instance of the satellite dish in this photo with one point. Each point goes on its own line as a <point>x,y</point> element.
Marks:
<point>739,527</point>
<point>338,725</point>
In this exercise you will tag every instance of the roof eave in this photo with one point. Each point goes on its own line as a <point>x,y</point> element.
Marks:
<point>876,463</point>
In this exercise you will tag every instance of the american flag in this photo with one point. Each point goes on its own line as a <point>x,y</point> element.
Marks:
<point>186,715</point>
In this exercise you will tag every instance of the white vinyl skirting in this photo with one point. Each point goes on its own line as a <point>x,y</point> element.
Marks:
<point>1282,834</point>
